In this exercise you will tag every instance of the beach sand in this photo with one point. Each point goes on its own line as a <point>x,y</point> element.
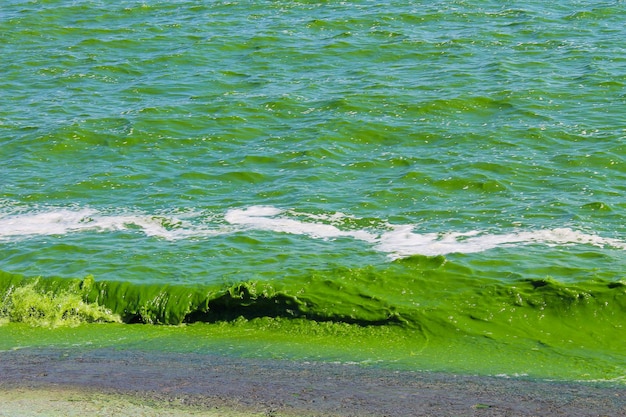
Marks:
<point>109,382</point>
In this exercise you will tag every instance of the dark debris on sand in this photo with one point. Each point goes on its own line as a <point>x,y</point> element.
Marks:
<point>285,388</point>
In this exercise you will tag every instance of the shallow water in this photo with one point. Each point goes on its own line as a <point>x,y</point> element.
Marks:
<point>451,173</point>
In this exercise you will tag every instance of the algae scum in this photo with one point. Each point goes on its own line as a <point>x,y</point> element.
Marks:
<point>421,186</point>
<point>417,313</point>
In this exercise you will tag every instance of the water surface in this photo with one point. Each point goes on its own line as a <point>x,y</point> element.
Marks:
<point>306,179</point>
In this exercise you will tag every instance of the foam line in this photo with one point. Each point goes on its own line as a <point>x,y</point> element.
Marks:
<point>264,218</point>
<point>403,242</point>
<point>397,241</point>
<point>64,221</point>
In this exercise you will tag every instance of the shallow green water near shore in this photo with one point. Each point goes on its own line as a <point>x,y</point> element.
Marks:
<point>414,185</point>
<point>539,329</point>
<point>390,348</point>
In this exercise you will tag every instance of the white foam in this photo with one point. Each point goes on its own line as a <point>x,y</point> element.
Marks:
<point>403,242</point>
<point>397,241</point>
<point>264,218</point>
<point>65,221</point>
<point>56,222</point>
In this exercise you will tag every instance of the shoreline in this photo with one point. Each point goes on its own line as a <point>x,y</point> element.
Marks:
<point>125,382</point>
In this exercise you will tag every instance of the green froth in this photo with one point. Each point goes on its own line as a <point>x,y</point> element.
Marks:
<point>49,303</point>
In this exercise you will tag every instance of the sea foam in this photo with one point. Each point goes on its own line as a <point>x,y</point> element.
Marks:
<point>268,218</point>
<point>402,240</point>
<point>397,241</point>
<point>60,222</point>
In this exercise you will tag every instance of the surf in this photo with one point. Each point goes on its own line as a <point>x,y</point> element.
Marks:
<point>395,240</point>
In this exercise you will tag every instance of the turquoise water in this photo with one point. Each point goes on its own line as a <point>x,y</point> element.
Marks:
<point>447,171</point>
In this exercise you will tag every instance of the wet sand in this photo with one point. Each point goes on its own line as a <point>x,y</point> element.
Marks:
<point>109,382</point>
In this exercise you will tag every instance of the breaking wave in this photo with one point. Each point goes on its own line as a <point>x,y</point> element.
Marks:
<point>396,240</point>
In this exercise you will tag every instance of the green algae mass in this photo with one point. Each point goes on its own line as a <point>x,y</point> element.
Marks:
<point>53,303</point>
<point>421,313</point>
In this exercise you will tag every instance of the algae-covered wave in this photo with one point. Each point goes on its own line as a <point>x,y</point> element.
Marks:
<point>428,294</point>
<point>425,313</point>
<point>43,301</point>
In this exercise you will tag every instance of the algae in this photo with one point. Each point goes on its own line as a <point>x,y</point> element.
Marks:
<point>418,314</point>
<point>37,305</point>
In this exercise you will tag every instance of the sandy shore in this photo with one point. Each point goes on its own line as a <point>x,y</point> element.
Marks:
<point>107,382</point>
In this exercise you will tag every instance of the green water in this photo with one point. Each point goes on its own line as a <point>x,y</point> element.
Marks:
<point>419,186</point>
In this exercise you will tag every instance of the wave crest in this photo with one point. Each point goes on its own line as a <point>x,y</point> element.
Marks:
<point>396,240</point>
